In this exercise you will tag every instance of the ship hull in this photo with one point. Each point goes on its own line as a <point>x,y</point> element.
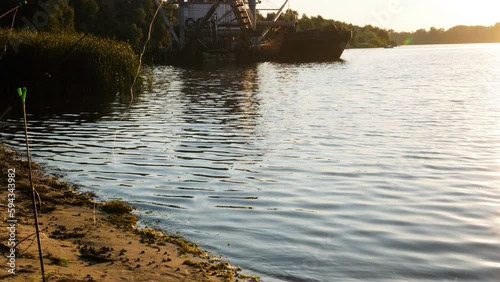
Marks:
<point>314,45</point>
<point>299,47</point>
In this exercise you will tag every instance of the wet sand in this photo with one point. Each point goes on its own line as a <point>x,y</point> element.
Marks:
<point>86,240</point>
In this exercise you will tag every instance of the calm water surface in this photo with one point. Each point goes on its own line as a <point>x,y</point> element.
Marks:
<point>385,167</point>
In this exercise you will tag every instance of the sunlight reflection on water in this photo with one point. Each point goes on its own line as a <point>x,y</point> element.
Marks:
<point>383,167</point>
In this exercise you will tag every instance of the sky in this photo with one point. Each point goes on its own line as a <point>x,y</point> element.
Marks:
<point>400,15</point>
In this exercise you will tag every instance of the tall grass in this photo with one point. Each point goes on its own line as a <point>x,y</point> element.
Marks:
<point>55,66</point>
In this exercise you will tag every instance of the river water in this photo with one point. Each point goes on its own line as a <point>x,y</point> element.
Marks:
<point>383,167</point>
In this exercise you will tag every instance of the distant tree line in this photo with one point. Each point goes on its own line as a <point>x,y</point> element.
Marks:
<point>124,20</point>
<point>455,35</point>
<point>371,36</point>
<point>363,37</point>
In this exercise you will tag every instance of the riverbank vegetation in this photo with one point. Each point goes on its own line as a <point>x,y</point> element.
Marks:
<point>73,50</point>
<point>121,20</point>
<point>372,37</point>
<point>62,66</point>
<point>455,35</point>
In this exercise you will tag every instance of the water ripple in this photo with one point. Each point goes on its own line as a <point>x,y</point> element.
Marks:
<point>384,167</point>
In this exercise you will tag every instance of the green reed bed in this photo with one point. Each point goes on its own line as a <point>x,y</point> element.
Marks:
<point>64,66</point>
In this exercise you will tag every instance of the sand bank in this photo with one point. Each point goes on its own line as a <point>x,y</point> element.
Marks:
<point>83,240</point>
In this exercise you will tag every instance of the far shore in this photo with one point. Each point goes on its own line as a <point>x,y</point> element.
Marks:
<point>85,240</point>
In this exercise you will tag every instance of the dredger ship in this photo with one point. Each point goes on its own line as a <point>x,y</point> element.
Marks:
<point>224,29</point>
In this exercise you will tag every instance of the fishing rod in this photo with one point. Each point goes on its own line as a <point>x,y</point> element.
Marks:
<point>11,10</point>
<point>22,95</point>
<point>21,2</point>
<point>15,9</point>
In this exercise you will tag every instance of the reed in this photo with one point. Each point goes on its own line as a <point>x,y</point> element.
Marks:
<point>65,65</point>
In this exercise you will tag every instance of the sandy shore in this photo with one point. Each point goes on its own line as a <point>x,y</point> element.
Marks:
<point>87,241</point>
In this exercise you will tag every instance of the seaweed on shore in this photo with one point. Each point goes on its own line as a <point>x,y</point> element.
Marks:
<point>119,214</point>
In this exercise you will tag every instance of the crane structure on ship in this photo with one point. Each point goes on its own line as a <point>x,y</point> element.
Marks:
<point>219,26</point>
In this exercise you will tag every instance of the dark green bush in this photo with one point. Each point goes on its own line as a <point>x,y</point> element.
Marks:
<point>63,66</point>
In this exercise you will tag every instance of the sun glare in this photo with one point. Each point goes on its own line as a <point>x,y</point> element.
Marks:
<point>410,15</point>
<point>481,15</point>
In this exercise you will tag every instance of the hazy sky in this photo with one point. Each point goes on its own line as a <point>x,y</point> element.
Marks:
<point>401,15</point>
